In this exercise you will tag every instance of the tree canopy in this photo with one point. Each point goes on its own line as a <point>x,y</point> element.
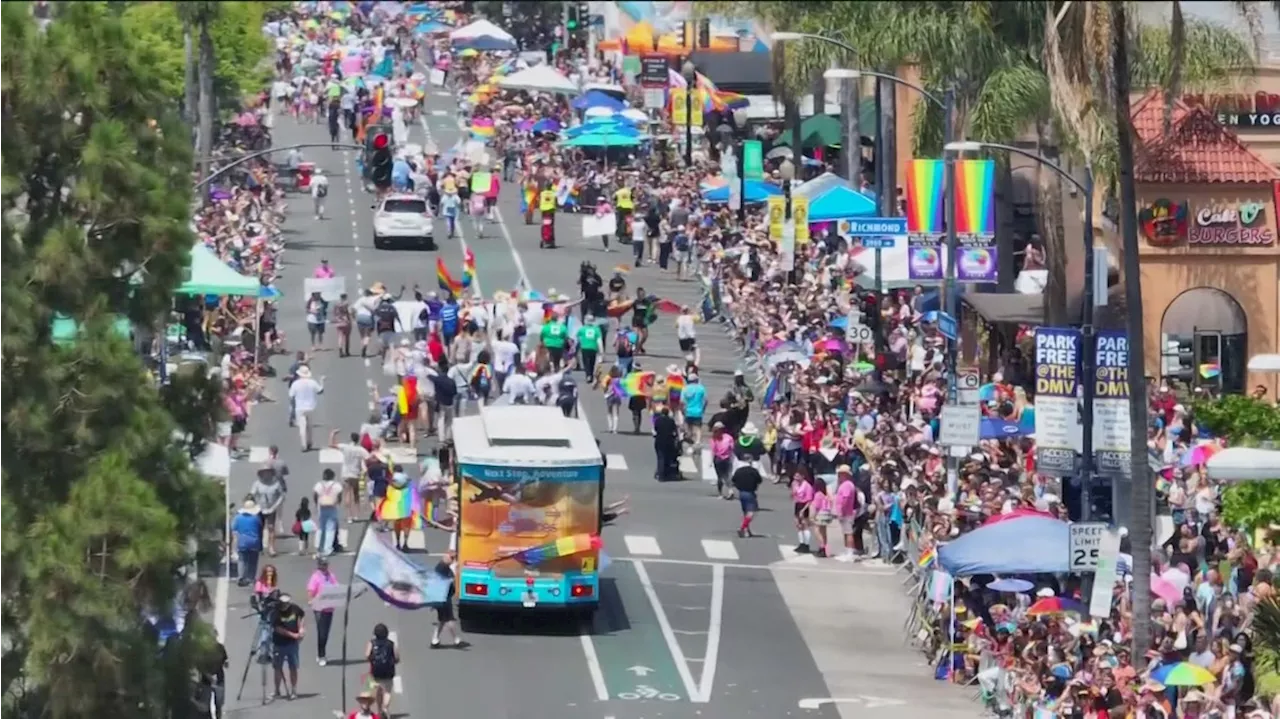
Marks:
<point>99,496</point>
<point>242,50</point>
<point>1245,421</point>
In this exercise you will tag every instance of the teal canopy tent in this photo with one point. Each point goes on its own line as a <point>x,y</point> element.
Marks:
<point>212,276</point>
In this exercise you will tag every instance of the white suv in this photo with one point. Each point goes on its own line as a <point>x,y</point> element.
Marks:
<point>403,219</point>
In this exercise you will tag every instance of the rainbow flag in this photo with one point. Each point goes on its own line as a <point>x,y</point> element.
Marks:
<point>975,197</point>
<point>401,503</point>
<point>927,559</point>
<point>675,385</point>
<point>562,547</point>
<point>924,197</point>
<point>637,384</point>
<point>446,280</point>
<point>379,96</point>
<point>771,392</point>
<point>468,268</point>
<point>1210,370</point>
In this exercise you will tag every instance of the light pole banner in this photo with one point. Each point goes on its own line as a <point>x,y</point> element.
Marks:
<point>975,182</point>
<point>924,184</point>
<point>1058,370</point>
<point>1111,426</point>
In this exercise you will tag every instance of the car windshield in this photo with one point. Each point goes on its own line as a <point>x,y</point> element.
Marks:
<point>416,206</point>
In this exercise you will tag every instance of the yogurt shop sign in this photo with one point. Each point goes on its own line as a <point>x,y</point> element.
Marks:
<point>1244,223</point>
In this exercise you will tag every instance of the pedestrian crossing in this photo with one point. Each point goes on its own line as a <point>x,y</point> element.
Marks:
<point>747,551</point>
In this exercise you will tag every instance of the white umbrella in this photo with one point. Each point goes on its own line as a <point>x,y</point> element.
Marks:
<point>607,88</point>
<point>598,112</point>
<point>1244,464</point>
<point>635,115</point>
<point>482,35</point>
<point>402,102</point>
<point>539,79</point>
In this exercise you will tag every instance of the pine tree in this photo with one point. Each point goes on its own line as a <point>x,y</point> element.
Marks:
<point>100,500</point>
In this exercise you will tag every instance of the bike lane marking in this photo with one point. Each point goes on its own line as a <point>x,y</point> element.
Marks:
<point>638,657</point>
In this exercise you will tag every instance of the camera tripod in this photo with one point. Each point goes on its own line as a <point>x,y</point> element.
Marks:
<point>261,650</point>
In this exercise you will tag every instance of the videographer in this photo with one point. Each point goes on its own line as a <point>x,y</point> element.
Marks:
<point>287,629</point>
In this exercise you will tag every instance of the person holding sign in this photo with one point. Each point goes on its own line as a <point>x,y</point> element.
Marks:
<point>322,589</point>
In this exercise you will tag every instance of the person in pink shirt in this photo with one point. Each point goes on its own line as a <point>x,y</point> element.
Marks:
<point>491,195</point>
<point>846,509</point>
<point>321,578</point>
<point>722,459</point>
<point>323,270</point>
<point>820,514</point>
<point>801,497</point>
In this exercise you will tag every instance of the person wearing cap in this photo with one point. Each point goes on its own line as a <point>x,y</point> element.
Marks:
<point>694,399</point>
<point>364,702</point>
<point>304,395</point>
<point>287,630</point>
<point>246,540</point>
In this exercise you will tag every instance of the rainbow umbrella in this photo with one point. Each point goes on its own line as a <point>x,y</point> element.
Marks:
<point>1055,605</point>
<point>1182,674</point>
<point>1199,455</point>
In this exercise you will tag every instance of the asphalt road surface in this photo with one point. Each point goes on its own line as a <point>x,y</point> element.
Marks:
<point>694,622</point>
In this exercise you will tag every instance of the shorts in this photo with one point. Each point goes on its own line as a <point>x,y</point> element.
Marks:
<point>846,525</point>
<point>693,422</point>
<point>268,520</point>
<point>364,323</point>
<point>688,343</point>
<point>557,354</point>
<point>283,654</point>
<point>797,508</point>
<point>387,338</point>
<point>444,611</point>
<point>747,500</point>
<point>387,685</point>
<point>224,429</point>
<point>490,202</point>
<point>353,485</point>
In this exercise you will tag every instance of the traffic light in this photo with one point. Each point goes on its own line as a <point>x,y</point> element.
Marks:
<point>573,21</point>
<point>584,14</point>
<point>380,169</point>
<point>704,34</point>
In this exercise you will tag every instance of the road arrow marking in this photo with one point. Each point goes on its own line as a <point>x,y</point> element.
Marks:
<point>640,671</point>
<point>869,702</point>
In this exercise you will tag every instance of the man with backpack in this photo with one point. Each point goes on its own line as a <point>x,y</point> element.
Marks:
<point>319,191</point>
<point>386,322</point>
<point>383,656</point>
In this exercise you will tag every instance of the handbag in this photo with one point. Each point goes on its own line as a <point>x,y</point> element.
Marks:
<point>297,528</point>
<point>308,526</point>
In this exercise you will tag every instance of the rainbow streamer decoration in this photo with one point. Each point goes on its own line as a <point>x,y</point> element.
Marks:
<point>401,503</point>
<point>637,384</point>
<point>924,197</point>
<point>446,280</point>
<point>562,547</point>
<point>1210,370</point>
<point>468,268</point>
<point>975,197</point>
<point>927,558</point>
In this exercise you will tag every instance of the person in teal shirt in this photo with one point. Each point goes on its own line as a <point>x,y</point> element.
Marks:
<point>589,338</point>
<point>554,335</point>
<point>694,397</point>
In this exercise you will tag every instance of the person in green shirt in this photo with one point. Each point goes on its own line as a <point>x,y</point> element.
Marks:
<point>554,335</point>
<point>589,338</point>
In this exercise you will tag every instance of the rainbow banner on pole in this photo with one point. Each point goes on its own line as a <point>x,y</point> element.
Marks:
<point>975,220</point>
<point>924,185</point>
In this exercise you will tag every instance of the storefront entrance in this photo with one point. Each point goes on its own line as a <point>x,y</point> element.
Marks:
<point>1204,341</point>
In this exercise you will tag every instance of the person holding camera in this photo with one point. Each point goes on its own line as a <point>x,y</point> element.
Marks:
<point>287,629</point>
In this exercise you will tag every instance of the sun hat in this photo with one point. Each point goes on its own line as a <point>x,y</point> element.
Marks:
<point>750,429</point>
<point>250,507</point>
<point>303,372</point>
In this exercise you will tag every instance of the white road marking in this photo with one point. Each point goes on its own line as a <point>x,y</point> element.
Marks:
<point>220,606</point>
<point>832,568</point>
<point>642,545</point>
<point>673,645</point>
<point>403,455</point>
<point>461,224</point>
<point>357,263</point>
<point>329,455</point>
<point>687,465</point>
<point>712,656</point>
<point>616,461</point>
<point>439,113</point>
<point>791,556</point>
<point>708,467</point>
<point>359,277</point>
<point>417,539</point>
<point>258,455</point>
<point>397,687</point>
<point>721,549</point>
<point>593,666</point>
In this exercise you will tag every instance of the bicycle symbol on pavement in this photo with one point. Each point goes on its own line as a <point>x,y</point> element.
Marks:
<point>645,692</point>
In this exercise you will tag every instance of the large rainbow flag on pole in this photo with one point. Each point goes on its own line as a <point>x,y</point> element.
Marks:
<point>468,268</point>
<point>446,280</point>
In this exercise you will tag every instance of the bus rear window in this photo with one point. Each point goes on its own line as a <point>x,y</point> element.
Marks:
<point>414,206</point>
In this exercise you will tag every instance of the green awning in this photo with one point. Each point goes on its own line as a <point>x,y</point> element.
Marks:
<point>817,131</point>
<point>67,330</point>
<point>211,276</point>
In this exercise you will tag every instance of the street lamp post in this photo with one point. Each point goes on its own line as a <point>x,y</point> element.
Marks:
<point>1088,334</point>
<point>691,81</point>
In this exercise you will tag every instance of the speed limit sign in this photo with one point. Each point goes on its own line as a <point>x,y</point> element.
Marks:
<point>857,332</point>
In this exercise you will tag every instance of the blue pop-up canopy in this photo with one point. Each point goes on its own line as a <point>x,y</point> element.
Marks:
<point>755,191</point>
<point>1026,545</point>
<point>595,98</point>
<point>833,198</point>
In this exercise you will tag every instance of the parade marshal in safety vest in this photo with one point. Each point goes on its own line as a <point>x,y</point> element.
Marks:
<point>623,206</point>
<point>547,201</point>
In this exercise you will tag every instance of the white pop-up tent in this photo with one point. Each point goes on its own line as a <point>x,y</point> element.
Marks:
<point>1244,464</point>
<point>539,78</point>
<point>482,35</point>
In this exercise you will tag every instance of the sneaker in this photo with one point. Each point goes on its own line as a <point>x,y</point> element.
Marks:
<point>844,558</point>
<point>435,644</point>
<point>322,661</point>
<point>802,549</point>
<point>742,534</point>
<point>461,644</point>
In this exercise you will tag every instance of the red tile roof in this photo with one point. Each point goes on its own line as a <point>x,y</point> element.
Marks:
<point>1148,115</point>
<point>1197,150</point>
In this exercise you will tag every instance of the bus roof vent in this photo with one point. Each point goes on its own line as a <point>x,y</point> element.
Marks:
<point>526,426</point>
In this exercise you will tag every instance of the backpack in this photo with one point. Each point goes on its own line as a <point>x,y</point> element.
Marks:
<point>382,659</point>
<point>480,383</point>
<point>682,242</point>
<point>322,190</point>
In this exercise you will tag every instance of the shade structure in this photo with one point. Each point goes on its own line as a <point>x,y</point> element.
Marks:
<point>482,35</point>
<point>431,27</point>
<point>1244,464</point>
<point>602,126</point>
<point>546,124</point>
<point>595,98</point>
<point>604,139</point>
<point>756,191</point>
<point>66,330</point>
<point>817,131</point>
<point>635,115</point>
<point>1029,545</point>
<point>539,78</point>
<point>212,276</point>
<point>832,198</point>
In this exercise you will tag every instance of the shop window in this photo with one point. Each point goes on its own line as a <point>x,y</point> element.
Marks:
<point>1204,341</point>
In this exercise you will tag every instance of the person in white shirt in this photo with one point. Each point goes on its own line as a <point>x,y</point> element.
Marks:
<point>305,393</point>
<point>519,387</point>
<point>505,353</point>
<point>319,191</point>
<point>328,497</point>
<point>687,334</point>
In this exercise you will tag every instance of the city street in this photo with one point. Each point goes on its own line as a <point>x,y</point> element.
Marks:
<point>694,622</point>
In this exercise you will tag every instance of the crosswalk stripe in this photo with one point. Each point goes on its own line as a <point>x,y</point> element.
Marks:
<point>417,540</point>
<point>708,467</point>
<point>258,455</point>
<point>720,549</point>
<point>639,544</point>
<point>687,466</point>
<point>329,455</point>
<point>439,113</point>
<point>618,462</point>
<point>791,556</point>
<point>404,455</point>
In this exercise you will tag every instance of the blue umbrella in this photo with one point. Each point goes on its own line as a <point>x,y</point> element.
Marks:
<point>595,98</point>
<point>601,128</point>
<point>756,191</point>
<point>428,27</point>
<point>611,139</point>
<point>546,125</point>
<point>995,428</point>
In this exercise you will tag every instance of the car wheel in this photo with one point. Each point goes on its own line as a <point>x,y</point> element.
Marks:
<point>429,243</point>
<point>378,242</point>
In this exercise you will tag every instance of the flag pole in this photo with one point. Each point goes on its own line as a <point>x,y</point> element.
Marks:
<point>346,611</point>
